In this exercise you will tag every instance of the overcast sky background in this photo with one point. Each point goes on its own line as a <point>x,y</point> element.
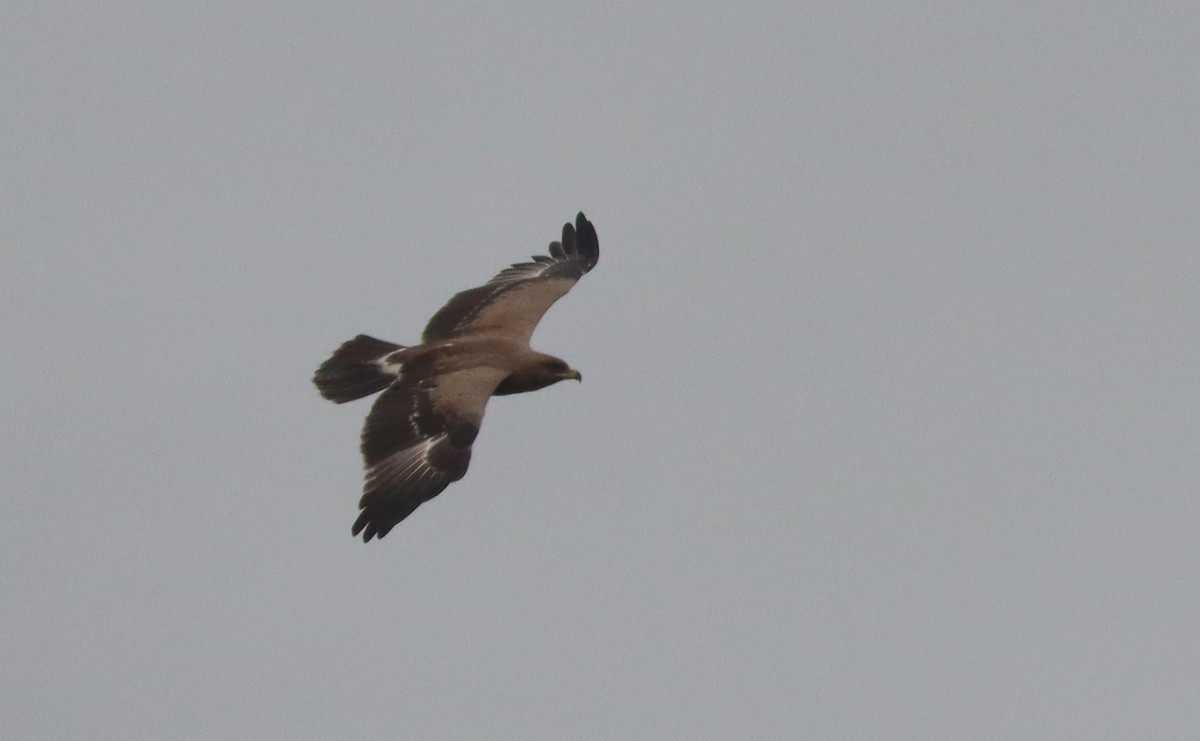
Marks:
<point>889,421</point>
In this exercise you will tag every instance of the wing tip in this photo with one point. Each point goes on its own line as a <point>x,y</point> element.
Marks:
<point>578,241</point>
<point>365,526</point>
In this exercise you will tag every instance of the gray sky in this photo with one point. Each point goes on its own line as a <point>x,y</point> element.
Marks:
<point>889,425</point>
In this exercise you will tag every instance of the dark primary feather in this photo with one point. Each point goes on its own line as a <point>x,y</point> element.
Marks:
<point>518,296</point>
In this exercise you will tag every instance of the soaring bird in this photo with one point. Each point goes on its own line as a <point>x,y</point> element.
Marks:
<point>417,437</point>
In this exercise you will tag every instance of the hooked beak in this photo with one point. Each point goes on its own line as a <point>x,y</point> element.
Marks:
<point>572,373</point>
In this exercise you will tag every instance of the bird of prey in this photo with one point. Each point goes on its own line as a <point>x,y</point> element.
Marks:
<point>417,437</point>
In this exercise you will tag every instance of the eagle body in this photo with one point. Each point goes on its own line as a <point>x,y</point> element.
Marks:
<point>418,435</point>
<point>527,369</point>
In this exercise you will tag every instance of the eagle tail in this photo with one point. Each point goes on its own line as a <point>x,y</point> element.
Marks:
<point>360,367</point>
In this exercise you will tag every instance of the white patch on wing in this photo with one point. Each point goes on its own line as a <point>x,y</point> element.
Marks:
<point>523,271</point>
<point>413,412</point>
<point>390,364</point>
<point>408,466</point>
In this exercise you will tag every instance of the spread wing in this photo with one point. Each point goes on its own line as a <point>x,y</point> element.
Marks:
<point>516,299</point>
<point>417,440</point>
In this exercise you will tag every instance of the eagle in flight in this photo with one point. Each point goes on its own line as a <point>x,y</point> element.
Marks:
<point>417,437</point>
